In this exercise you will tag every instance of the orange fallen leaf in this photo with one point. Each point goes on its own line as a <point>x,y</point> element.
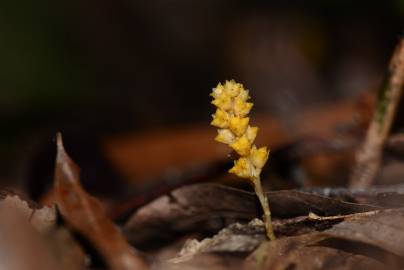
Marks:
<point>86,215</point>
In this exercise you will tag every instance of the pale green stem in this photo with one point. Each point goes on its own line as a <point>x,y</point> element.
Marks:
<point>265,207</point>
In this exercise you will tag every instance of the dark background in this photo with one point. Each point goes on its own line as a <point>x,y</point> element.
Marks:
<point>99,67</point>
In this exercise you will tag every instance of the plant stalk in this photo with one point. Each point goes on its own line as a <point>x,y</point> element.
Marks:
<point>369,156</point>
<point>265,207</point>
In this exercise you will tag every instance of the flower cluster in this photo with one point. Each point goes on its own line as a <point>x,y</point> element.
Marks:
<point>231,100</point>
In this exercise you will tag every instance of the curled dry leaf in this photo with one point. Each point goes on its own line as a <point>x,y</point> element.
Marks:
<point>85,214</point>
<point>200,206</point>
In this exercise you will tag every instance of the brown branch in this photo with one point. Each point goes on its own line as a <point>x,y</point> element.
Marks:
<point>368,157</point>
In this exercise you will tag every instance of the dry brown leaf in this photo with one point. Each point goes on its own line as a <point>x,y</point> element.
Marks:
<point>68,252</point>
<point>200,206</point>
<point>236,238</point>
<point>298,253</point>
<point>42,218</point>
<point>376,234</point>
<point>383,229</point>
<point>203,262</point>
<point>21,246</point>
<point>86,215</point>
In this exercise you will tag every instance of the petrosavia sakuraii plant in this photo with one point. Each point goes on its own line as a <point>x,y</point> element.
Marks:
<point>231,117</point>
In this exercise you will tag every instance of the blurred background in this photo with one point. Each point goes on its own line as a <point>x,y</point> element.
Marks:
<point>127,82</point>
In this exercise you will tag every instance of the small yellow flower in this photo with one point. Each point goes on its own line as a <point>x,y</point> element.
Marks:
<point>225,136</point>
<point>218,91</point>
<point>242,146</point>
<point>251,133</point>
<point>241,108</point>
<point>259,156</point>
<point>243,95</point>
<point>238,125</point>
<point>232,88</point>
<point>223,102</point>
<point>220,119</point>
<point>242,168</point>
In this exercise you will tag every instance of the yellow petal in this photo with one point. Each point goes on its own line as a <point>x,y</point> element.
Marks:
<point>238,125</point>
<point>242,146</point>
<point>259,156</point>
<point>251,133</point>
<point>242,168</point>
<point>225,136</point>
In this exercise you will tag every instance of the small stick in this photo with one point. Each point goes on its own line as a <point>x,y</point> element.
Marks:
<point>315,217</point>
<point>368,157</point>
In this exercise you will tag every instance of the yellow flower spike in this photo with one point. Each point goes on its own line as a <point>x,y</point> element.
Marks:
<point>238,125</point>
<point>242,168</point>
<point>259,156</point>
<point>242,146</point>
<point>231,99</point>
<point>225,136</point>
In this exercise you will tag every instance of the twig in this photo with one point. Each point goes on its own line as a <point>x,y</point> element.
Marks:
<point>315,217</point>
<point>368,157</point>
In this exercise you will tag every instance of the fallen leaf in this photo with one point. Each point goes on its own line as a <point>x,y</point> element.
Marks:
<point>203,262</point>
<point>236,238</point>
<point>377,233</point>
<point>86,215</point>
<point>211,207</point>
<point>21,246</point>
<point>385,196</point>
<point>68,252</point>
<point>301,253</point>
<point>383,230</point>
<point>42,218</point>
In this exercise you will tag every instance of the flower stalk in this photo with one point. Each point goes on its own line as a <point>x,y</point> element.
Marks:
<point>231,119</point>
